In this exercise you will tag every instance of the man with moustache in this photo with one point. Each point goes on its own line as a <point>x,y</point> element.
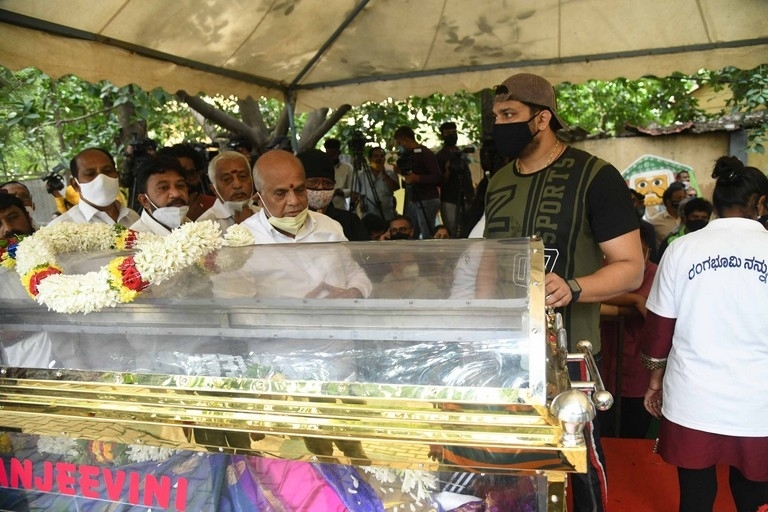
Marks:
<point>20,190</point>
<point>94,178</point>
<point>192,162</point>
<point>14,218</point>
<point>162,191</point>
<point>232,184</point>
<point>579,206</point>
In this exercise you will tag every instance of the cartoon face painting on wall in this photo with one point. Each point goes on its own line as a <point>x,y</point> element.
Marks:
<point>652,184</point>
<point>651,175</point>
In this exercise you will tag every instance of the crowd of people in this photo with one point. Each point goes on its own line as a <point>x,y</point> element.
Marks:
<point>671,274</point>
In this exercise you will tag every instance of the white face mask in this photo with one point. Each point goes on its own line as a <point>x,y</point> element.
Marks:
<point>169,216</point>
<point>290,225</point>
<point>102,191</point>
<point>233,207</point>
<point>237,206</point>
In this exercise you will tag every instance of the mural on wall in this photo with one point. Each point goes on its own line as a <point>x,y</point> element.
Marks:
<point>651,175</point>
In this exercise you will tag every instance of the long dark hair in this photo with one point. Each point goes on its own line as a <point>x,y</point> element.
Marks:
<point>737,185</point>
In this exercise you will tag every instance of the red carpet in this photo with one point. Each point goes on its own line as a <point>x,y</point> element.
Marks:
<point>639,481</point>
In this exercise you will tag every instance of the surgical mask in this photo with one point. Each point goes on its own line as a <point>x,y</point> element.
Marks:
<point>290,225</point>
<point>451,139</point>
<point>233,207</point>
<point>319,199</point>
<point>695,225</point>
<point>169,216</point>
<point>512,138</point>
<point>101,191</point>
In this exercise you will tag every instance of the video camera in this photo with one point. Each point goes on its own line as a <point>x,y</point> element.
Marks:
<point>358,141</point>
<point>55,179</point>
<point>238,142</point>
<point>141,148</point>
<point>405,162</point>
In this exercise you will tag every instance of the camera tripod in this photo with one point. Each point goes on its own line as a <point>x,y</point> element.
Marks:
<point>360,166</point>
<point>416,199</point>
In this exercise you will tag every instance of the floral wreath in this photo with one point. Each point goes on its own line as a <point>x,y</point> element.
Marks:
<point>156,259</point>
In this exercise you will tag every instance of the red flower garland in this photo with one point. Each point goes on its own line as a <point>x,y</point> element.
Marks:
<point>37,277</point>
<point>131,277</point>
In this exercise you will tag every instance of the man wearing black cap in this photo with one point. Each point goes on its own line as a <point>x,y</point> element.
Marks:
<point>579,206</point>
<point>321,184</point>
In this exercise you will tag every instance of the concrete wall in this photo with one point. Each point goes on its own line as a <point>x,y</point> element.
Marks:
<point>700,151</point>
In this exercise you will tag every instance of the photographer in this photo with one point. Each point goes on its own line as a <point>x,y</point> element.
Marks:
<point>419,168</point>
<point>457,191</point>
<point>375,187</point>
<point>342,171</point>
<point>54,184</point>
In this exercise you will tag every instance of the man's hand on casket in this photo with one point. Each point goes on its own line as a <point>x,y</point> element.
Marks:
<point>557,291</point>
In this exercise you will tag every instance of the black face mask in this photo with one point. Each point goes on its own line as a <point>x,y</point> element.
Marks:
<point>695,225</point>
<point>451,139</point>
<point>512,138</point>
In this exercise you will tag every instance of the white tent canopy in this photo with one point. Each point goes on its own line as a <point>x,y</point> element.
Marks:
<point>328,52</point>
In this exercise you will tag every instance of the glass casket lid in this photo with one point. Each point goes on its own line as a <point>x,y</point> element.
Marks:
<point>435,342</point>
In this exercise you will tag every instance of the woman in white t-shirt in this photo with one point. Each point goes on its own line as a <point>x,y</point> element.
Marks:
<point>707,347</point>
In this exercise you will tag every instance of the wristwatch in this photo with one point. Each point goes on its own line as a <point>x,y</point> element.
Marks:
<point>575,289</point>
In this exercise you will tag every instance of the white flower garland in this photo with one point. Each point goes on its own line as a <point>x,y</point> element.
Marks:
<point>156,260</point>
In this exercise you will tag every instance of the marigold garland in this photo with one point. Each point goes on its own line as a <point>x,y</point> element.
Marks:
<point>123,278</point>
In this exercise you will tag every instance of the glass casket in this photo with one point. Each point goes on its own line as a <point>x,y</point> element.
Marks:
<point>252,381</point>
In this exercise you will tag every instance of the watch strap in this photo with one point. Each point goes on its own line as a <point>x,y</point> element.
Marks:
<point>575,289</point>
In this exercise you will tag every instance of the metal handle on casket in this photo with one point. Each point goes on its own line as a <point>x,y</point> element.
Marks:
<point>602,398</point>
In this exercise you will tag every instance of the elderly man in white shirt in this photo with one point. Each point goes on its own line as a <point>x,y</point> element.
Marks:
<point>94,177</point>
<point>232,184</point>
<point>162,191</point>
<point>285,218</point>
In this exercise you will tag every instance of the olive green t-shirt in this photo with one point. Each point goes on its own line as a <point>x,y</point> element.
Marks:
<point>572,205</point>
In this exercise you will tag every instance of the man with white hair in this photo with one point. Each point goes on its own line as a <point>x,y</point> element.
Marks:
<point>232,184</point>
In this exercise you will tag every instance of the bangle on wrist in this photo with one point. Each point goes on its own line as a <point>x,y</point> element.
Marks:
<point>652,363</point>
<point>654,389</point>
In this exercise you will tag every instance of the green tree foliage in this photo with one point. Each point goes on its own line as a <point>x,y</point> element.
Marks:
<point>750,96</point>
<point>44,121</point>
<point>607,108</point>
<point>378,120</point>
